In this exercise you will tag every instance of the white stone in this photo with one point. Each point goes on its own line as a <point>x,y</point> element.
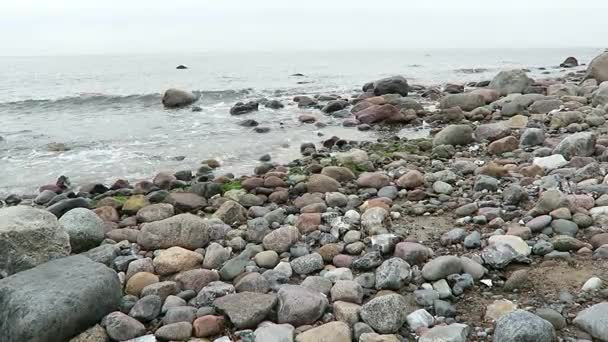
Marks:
<point>551,162</point>
<point>517,243</point>
<point>419,319</point>
<point>593,283</point>
<point>443,288</point>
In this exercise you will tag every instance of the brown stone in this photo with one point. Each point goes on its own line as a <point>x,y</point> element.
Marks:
<point>503,145</point>
<point>140,280</point>
<point>196,279</point>
<point>308,222</point>
<point>209,325</point>
<point>107,213</point>
<point>411,180</point>
<point>176,259</point>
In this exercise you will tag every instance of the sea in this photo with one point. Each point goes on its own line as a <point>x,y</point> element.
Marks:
<point>107,109</point>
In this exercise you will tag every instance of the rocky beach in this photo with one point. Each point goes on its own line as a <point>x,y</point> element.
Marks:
<point>490,225</point>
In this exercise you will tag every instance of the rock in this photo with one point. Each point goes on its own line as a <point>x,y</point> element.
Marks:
<point>499,308</point>
<point>347,312</point>
<point>74,288</point>
<point>551,162</point>
<point>564,227</point>
<point>85,228</point>
<point>270,332</point>
<point>598,68</point>
<point>240,108</point>
<point>29,237</point>
<point>232,213</point>
<point>419,319</point>
<point>279,240</point>
<point>510,81</point>
<point>208,325</point>
<point>563,119</point>
<point>483,182</point>
<point>393,274</point>
<point>385,314</point>
<point>334,106</point>
<point>267,259</point>
<point>492,131</point>
<point>570,62</point>
<point>555,318</point>
<point>454,332</point>
<point>413,253</point>
<point>252,282</point>
<point>180,313</point>
<point>523,326</point>
<point>600,96</point>
<point>246,309</point>
<point>466,102</point>
<point>454,135</point>
<point>375,221</point>
<point>308,222</point>
<point>180,331</point>
<point>147,308</point>
<point>121,327</point>
<point>95,333</point>
<point>213,291</point>
<point>339,173</point>
<point>579,144</point>
<point>323,284</point>
<point>532,137</point>
<point>379,113</point>
<point>347,291</point>
<point>411,180</point>
<point>175,98</point>
<point>322,183</point>
<point>544,106</point>
<point>503,145</point>
<point>391,85</point>
<point>375,180</point>
<point>196,279</point>
<point>215,256</point>
<point>183,230</point>
<point>594,321</point>
<point>134,203</point>
<point>63,206</point>
<point>176,259</point>
<point>139,281</point>
<point>329,332</point>
<point>307,264</point>
<point>441,267</point>
<point>299,305</point>
<point>44,197</point>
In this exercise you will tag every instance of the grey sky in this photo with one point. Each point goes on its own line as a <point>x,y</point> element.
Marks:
<point>34,27</point>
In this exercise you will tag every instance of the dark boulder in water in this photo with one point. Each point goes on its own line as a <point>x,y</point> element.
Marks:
<point>197,109</point>
<point>249,123</point>
<point>298,75</point>
<point>261,129</point>
<point>305,101</point>
<point>244,108</point>
<point>391,85</point>
<point>334,106</point>
<point>570,62</point>
<point>175,98</point>
<point>274,104</point>
<point>181,67</point>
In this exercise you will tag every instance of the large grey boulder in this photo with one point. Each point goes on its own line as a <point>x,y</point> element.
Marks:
<point>523,326</point>
<point>299,305</point>
<point>84,227</point>
<point>600,96</point>
<point>174,98</point>
<point>466,102</point>
<point>56,300</point>
<point>580,144</point>
<point>510,81</point>
<point>454,135</point>
<point>391,85</point>
<point>28,238</point>
<point>598,68</point>
<point>184,230</point>
<point>594,321</point>
<point>386,314</point>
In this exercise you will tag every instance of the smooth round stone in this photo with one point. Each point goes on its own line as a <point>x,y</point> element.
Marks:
<point>564,227</point>
<point>539,223</point>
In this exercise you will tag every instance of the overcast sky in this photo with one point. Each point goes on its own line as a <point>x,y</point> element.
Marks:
<point>41,27</point>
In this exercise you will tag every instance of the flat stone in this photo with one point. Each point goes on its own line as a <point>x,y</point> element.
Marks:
<point>246,309</point>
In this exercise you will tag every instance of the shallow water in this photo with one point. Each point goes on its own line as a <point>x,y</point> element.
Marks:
<point>107,108</point>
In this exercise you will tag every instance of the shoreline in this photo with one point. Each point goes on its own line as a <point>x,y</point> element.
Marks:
<point>491,228</point>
